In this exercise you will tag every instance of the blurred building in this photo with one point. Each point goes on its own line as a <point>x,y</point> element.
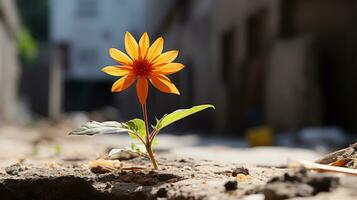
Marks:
<point>285,63</point>
<point>224,45</point>
<point>82,31</point>
<point>9,64</point>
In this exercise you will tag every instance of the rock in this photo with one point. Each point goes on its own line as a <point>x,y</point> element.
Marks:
<point>231,185</point>
<point>240,170</point>
<point>122,154</point>
<point>281,191</point>
<point>161,193</point>
<point>298,184</point>
<point>15,169</point>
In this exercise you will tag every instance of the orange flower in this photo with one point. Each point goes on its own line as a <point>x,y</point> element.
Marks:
<point>144,63</point>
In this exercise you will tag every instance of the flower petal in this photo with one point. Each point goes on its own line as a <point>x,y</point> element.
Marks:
<point>131,46</point>
<point>142,89</point>
<point>155,49</point>
<point>166,57</point>
<point>164,84</point>
<point>144,44</point>
<point>117,70</point>
<point>168,69</point>
<point>123,83</point>
<point>120,56</point>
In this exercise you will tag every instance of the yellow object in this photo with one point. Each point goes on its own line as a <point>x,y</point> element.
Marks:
<point>260,136</point>
<point>243,178</point>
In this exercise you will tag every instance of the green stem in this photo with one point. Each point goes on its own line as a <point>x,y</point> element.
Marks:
<point>145,113</point>
<point>148,139</point>
<point>153,134</point>
<point>152,157</point>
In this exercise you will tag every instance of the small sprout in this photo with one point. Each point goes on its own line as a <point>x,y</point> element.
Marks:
<point>143,64</point>
<point>58,149</point>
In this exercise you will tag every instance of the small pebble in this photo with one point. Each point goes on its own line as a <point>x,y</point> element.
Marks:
<point>14,169</point>
<point>231,185</point>
<point>240,170</point>
<point>161,193</point>
<point>152,172</point>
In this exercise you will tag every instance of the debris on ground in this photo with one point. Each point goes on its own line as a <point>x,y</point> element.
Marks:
<point>102,166</point>
<point>240,170</point>
<point>342,158</point>
<point>15,169</point>
<point>341,161</point>
<point>231,185</point>
<point>42,171</point>
<point>195,180</point>
<point>122,154</point>
<point>243,178</point>
<point>299,184</point>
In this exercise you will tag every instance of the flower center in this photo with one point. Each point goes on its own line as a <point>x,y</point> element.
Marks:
<point>141,67</point>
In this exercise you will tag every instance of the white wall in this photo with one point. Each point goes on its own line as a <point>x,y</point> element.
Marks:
<point>9,66</point>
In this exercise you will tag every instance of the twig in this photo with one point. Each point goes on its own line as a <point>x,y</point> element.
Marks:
<point>327,168</point>
<point>332,157</point>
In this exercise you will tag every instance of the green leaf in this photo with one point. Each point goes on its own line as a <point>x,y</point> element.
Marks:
<point>137,126</point>
<point>93,128</point>
<point>179,114</point>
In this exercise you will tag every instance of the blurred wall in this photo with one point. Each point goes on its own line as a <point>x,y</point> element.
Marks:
<point>332,26</point>
<point>9,64</point>
<point>285,63</point>
<point>221,43</point>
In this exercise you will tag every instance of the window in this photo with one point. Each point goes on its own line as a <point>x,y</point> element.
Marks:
<point>286,17</point>
<point>87,8</point>
<point>88,56</point>
<point>257,33</point>
<point>228,51</point>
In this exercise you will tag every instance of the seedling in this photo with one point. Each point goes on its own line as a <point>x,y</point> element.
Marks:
<point>143,64</point>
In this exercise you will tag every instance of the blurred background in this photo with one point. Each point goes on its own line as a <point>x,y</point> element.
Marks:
<point>280,72</point>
